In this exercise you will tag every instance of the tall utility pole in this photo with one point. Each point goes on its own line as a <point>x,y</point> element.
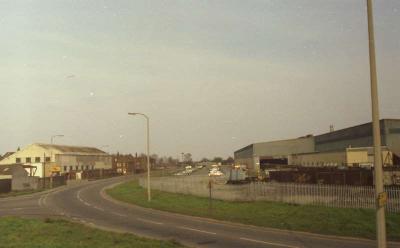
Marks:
<point>148,153</point>
<point>379,190</point>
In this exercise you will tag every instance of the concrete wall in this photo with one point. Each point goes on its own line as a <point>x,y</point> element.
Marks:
<point>24,183</point>
<point>198,185</point>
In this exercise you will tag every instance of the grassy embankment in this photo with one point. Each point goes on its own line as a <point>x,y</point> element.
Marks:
<point>34,233</point>
<point>316,219</point>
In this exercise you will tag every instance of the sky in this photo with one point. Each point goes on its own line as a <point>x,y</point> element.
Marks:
<point>213,76</point>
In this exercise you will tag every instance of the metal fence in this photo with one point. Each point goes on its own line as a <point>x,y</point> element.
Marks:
<point>340,196</point>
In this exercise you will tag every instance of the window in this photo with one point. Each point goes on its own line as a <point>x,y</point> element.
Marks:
<point>18,160</point>
<point>47,159</point>
<point>92,167</point>
<point>28,160</point>
<point>87,167</point>
<point>82,167</point>
<point>70,168</point>
<point>65,168</point>
<point>37,160</point>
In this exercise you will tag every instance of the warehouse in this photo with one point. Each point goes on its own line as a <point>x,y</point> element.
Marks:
<point>348,147</point>
<point>259,155</point>
<point>350,157</point>
<point>59,159</point>
<point>361,136</point>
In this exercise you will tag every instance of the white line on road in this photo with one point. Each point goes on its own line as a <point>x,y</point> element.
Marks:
<point>149,221</point>
<point>78,195</point>
<point>17,209</point>
<point>45,199</point>
<point>196,230</point>
<point>101,209</point>
<point>118,214</point>
<point>40,201</point>
<point>268,243</point>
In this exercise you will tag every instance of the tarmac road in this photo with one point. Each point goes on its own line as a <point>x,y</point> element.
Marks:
<point>87,203</point>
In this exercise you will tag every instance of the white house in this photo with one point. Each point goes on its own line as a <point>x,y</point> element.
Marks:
<point>59,159</point>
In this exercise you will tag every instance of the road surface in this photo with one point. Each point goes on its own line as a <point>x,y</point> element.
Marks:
<point>87,203</point>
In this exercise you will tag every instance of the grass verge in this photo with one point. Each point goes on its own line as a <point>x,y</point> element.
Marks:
<point>316,219</point>
<point>54,233</point>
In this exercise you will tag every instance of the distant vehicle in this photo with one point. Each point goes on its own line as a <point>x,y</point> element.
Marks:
<point>215,172</point>
<point>188,170</point>
<point>238,174</point>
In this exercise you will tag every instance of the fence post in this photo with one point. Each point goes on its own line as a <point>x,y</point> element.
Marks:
<point>210,196</point>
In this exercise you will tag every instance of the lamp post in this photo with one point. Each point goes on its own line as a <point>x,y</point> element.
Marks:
<point>379,189</point>
<point>55,136</point>
<point>148,154</point>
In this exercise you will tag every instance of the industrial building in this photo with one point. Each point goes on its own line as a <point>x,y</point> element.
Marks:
<point>59,159</point>
<point>259,155</point>
<point>349,157</point>
<point>348,147</point>
<point>361,136</point>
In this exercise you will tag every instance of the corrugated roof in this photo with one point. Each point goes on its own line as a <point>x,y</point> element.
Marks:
<point>7,154</point>
<point>72,149</point>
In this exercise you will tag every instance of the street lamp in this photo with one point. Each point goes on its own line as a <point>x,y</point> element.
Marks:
<point>148,154</point>
<point>379,189</point>
<point>54,136</point>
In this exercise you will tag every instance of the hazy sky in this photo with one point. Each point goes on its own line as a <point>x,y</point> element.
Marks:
<point>213,76</point>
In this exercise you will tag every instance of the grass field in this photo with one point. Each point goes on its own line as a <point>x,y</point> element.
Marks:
<point>323,220</point>
<point>53,233</point>
<point>33,233</point>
